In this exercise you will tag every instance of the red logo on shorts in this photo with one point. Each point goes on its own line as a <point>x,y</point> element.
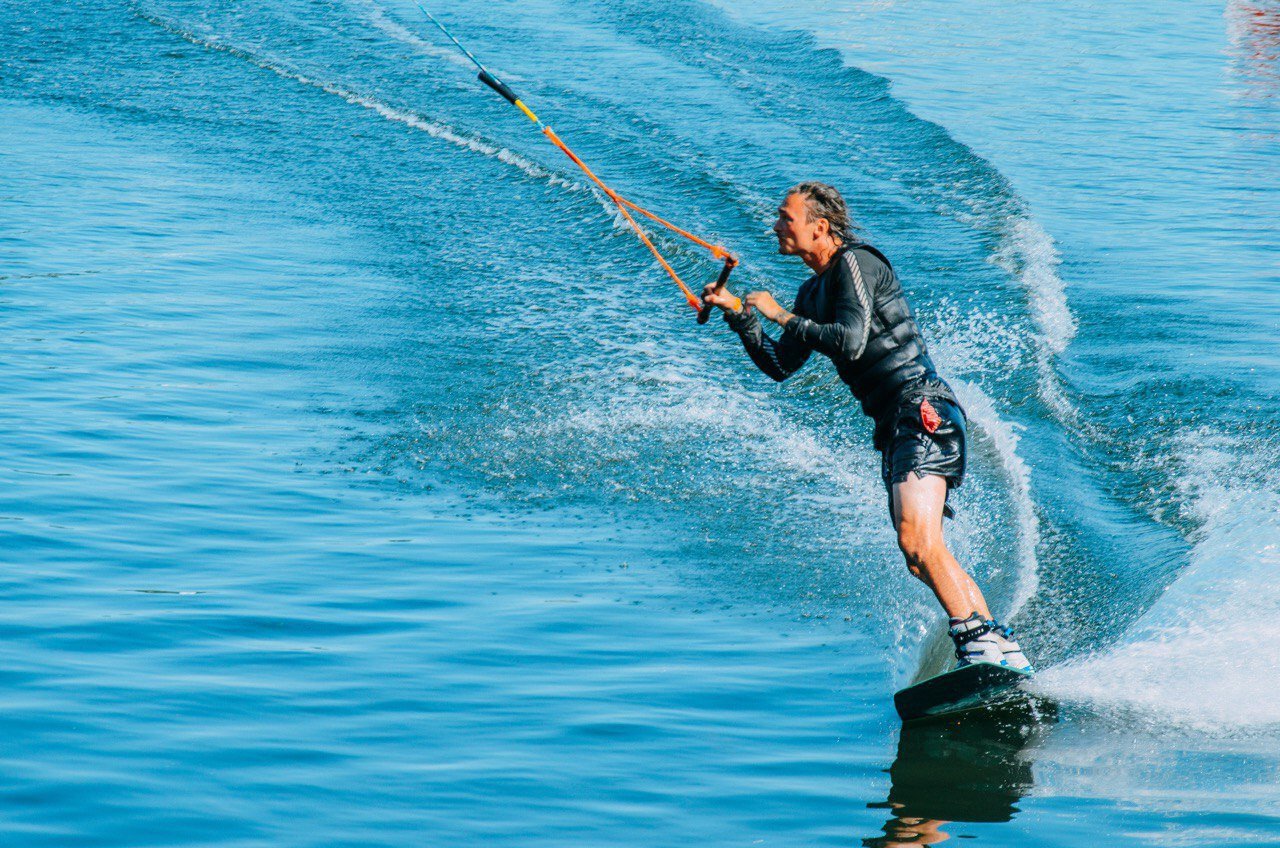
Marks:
<point>929,416</point>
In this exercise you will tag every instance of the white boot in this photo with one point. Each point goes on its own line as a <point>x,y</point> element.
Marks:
<point>1013,656</point>
<point>980,640</point>
<point>976,641</point>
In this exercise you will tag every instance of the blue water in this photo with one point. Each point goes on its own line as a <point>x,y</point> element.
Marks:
<point>365,483</point>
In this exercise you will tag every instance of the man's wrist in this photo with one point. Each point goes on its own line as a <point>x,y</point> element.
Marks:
<point>736,319</point>
<point>783,317</point>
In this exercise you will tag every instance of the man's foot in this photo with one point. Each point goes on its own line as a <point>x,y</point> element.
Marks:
<point>1013,656</point>
<point>975,641</point>
<point>978,640</point>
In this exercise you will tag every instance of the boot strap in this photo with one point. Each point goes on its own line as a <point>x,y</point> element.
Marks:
<point>969,635</point>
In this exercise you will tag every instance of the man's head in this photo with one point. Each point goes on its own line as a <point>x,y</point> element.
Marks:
<point>812,219</point>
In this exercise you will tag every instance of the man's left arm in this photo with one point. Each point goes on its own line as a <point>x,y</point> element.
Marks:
<point>845,337</point>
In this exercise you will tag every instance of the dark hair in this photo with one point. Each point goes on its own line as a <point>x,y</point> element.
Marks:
<point>824,201</point>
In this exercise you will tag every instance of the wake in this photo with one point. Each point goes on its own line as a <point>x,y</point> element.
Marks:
<point>1207,654</point>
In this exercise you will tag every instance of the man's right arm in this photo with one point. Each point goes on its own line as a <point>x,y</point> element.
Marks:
<point>779,358</point>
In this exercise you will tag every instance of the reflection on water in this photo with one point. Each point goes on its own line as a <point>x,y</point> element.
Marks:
<point>1254,29</point>
<point>971,769</point>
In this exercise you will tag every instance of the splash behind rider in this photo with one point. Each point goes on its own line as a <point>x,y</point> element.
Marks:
<point>853,310</point>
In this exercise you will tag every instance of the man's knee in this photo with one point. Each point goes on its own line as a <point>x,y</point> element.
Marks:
<point>919,544</point>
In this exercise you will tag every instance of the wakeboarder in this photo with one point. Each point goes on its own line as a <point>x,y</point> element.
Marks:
<point>853,311</point>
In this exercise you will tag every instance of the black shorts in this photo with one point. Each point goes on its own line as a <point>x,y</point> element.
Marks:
<point>924,437</point>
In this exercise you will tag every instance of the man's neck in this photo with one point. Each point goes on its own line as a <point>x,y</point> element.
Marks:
<point>820,258</point>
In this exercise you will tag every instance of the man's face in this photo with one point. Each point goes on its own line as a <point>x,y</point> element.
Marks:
<point>796,234</point>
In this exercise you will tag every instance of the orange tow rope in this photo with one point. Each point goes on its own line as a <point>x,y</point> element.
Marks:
<point>623,204</point>
<point>730,261</point>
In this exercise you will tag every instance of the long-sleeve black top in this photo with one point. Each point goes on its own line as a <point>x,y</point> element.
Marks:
<point>855,313</point>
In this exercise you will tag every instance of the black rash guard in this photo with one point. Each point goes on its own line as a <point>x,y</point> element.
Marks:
<point>855,313</point>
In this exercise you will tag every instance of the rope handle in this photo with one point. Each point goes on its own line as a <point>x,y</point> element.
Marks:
<point>729,263</point>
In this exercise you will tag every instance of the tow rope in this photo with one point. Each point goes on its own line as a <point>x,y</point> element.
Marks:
<point>625,207</point>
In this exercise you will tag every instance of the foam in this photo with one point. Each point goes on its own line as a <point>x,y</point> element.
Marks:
<point>659,393</point>
<point>981,409</point>
<point>759,430</point>
<point>758,204</point>
<point>374,14</point>
<point>435,129</point>
<point>971,341</point>
<point>1207,654</point>
<point>1030,255</point>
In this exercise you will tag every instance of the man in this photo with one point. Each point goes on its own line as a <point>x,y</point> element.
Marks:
<point>853,310</point>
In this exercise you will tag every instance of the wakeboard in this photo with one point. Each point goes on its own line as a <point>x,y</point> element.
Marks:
<point>971,687</point>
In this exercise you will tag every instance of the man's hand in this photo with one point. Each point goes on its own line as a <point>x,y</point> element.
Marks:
<point>721,298</point>
<point>768,307</point>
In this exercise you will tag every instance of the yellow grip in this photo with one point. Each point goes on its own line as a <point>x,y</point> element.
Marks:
<point>527,112</point>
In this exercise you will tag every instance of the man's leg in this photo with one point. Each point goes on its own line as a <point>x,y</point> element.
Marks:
<point>917,516</point>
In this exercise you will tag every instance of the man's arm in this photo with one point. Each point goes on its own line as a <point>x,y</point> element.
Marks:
<point>846,336</point>
<point>779,358</point>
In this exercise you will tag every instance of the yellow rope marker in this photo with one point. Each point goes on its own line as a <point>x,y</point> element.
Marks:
<point>523,108</point>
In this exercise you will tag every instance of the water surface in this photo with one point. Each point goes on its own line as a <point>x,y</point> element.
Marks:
<point>367,484</point>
